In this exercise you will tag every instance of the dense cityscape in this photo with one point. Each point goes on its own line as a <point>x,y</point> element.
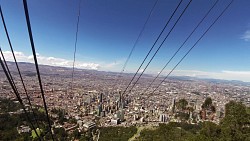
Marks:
<point>93,100</point>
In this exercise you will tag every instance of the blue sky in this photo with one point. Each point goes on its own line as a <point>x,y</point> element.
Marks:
<point>108,30</point>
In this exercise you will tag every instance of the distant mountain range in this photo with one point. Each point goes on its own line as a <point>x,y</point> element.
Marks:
<point>25,66</point>
<point>212,80</point>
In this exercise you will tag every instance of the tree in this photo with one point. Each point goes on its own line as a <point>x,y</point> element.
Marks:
<point>235,122</point>
<point>207,103</point>
<point>60,133</point>
<point>213,109</point>
<point>181,104</point>
<point>190,109</point>
<point>183,116</point>
<point>211,130</point>
<point>235,115</point>
<point>76,134</point>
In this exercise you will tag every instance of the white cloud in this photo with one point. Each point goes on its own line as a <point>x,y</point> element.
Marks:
<point>113,66</point>
<point>237,72</point>
<point>141,70</point>
<point>21,57</point>
<point>225,74</point>
<point>246,36</point>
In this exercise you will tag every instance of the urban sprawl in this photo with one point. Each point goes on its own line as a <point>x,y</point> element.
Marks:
<point>100,95</point>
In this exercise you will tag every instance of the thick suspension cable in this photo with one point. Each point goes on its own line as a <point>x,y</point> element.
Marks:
<point>76,38</point>
<point>181,46</point>
<point>136,42</point>
<point>14,86</point>
<point>193,46</point>
<point>161,45</point>
<point>15,60</point>
<point>36,63</point>
<point>153,46</point>
<point>8,70</point>
<point>18,98</point>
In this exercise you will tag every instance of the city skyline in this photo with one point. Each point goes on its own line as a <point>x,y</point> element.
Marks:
<point>108,30</point>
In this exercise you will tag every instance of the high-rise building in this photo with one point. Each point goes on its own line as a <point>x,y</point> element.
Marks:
<point>100,97</point>
<point>163,118</point>
<point>120,114</point>
<point>120,99</point>
<point>103,114</point>
<point>99,110</point>
<point>173,105</point>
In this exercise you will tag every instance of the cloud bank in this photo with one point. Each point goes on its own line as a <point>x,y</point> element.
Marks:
<point>52,61</point>
<point>224,74</point>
